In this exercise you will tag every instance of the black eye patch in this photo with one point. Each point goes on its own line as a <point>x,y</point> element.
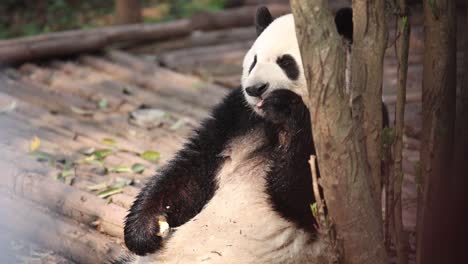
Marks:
<point>289,66</point>
<point>253,64</point>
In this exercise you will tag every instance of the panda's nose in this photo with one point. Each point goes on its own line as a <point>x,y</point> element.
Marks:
<point>257,90</point>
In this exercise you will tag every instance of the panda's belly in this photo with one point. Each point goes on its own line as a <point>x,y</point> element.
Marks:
<point>238,225</point>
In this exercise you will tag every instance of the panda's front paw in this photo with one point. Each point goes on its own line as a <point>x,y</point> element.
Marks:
<point>144,235</point>
<point>282,106</point>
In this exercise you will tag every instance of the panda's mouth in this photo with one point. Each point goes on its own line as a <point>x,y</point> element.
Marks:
<point>259,104</point>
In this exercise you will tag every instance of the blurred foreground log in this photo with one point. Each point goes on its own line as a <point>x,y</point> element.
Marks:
<point>27,221</point>
<point>78,41</point>
<point>66,200</point>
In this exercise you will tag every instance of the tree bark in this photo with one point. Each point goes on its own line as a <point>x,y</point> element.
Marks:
<point>459,199</point>
<point>341,153</point>
<point>438,108</point>
<point>127,12</point>
<point>369,44</point>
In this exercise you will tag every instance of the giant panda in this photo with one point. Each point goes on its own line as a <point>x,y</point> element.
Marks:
<point>240,189</point>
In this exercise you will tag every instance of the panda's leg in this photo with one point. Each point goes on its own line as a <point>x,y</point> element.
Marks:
<point>183,188</point>
<point>289,182</point>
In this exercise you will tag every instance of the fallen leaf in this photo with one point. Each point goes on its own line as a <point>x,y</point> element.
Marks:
<point>35,144</point>
<point>122,182</point>
<point>120,169</point>
<point>81,111</point>
<point>148,117</point>
<point>8,108</point>
<point>110,192</point>
<point>98,186</point>
<point>109,142</point>
<point>138,168</point>
<point>150,155</point>
<point>177,124</point>
<point>98,155</point>
<point>103,103</point>
<point>42,156</point>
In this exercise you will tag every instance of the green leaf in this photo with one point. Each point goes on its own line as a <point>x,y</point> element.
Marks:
<point>150,155</point>
<point>404,22</point>
<point>100,154</point>
<point>66,172</point>
<point>98,186</point>
<point>177,124</point>
<point>122,182</point>
<point>103,104</point>
<point>138,168</point>
<point>110,192</point>
<point>108,141</point>
<point>314,209</point>
<point>42,156</point>
<point>120,169</point>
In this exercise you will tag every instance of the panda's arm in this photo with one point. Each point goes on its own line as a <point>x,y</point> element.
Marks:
<point>183,188</point>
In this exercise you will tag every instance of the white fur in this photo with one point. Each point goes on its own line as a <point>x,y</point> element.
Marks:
<point>238,225</point>
<point>278,39</point>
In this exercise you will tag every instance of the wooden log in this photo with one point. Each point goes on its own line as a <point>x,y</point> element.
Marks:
<point>235,17</point>
<point>168,77</point>
<point>124,199</point>
<point>92,133</point>
<point>76,204</point>
<point>198,39</point>
<point>78,41</point>
<point>190,97</point>
<point>79,244</point>
<point>231,52</point>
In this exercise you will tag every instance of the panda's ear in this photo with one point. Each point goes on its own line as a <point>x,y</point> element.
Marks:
<point>263,18</point>
<point>344,23</point>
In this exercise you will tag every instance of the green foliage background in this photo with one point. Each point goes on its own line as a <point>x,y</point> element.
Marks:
<point>31,17</point>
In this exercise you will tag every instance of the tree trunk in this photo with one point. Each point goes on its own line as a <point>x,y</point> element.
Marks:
<point>341,154</point>
<point>459,201</point>
<point>438,108</point>
<point>369,44</point>
<point>127,12</point>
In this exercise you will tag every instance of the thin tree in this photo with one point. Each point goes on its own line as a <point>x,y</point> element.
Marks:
<point>368,50</point>
<point>395,208</point>
<point>457,208</point>
<point>438,108</point>
<point>341,152</point>
<point>127,11</point>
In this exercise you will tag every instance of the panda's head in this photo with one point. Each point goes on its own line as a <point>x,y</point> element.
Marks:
<point>274,60</point>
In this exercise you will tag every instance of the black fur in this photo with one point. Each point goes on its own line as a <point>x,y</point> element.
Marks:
<point>183,188</point>
<point>289,66</point>
<point>263,19</point>
<point>289,181</point>
<point>253,63</point>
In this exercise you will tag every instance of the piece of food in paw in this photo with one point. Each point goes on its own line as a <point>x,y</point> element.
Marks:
<point>164,227</point>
